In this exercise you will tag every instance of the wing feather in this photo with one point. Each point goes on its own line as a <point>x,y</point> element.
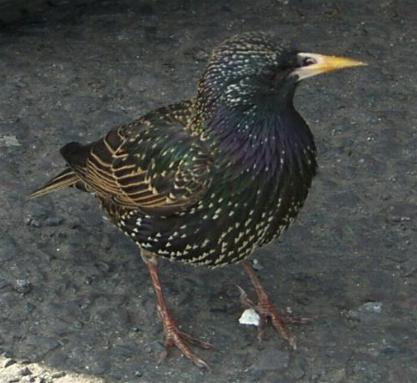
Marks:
<point>153,164</point>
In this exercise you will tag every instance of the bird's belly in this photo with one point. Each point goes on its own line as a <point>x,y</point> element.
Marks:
<point>223,228</point>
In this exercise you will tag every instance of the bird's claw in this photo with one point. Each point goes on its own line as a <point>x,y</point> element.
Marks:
<point>245,300</point>
<point>182,341</point>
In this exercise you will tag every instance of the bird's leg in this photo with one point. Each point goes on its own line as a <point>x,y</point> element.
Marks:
<point>265,308</point>
<point>173,335</point>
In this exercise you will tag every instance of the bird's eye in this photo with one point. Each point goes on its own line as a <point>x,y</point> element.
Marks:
<point>308,61</point>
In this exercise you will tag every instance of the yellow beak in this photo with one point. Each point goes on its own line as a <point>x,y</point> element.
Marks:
<point>316,64</point>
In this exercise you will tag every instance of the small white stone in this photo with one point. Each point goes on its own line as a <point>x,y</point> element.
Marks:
<point>9,141</point>
<point>250,317</point>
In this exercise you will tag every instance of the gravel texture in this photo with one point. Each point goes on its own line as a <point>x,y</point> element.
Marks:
<point>75,297</point>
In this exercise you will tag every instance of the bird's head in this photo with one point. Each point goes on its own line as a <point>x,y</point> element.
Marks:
<point>257,68</point>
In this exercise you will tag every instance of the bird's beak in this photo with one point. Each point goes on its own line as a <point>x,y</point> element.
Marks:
<point>313,64</point>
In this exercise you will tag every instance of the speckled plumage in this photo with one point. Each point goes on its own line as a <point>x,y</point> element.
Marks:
<point>208,180</point>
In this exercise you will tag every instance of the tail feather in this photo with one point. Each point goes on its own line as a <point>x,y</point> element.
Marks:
<point>63,180</point>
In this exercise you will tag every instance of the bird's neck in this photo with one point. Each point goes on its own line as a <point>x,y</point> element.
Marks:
<point>259,137</point>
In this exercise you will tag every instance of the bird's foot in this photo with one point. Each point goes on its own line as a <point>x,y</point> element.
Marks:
<point>269,313</point>
<point>174,337</point>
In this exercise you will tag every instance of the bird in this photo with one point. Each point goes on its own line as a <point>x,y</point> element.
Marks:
<point>208,180</point>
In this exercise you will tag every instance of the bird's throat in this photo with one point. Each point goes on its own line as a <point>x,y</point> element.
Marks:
<point>261,140</point>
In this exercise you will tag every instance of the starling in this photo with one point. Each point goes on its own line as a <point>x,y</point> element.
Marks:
<point>208,180</point>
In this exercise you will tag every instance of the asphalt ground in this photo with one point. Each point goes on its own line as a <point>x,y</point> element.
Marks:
<point>76,300</point>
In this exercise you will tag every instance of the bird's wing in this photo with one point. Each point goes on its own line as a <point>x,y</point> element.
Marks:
<point>154,164</point>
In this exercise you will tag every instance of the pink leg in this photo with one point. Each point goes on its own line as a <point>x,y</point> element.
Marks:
<point>266,309</point>
<point>173,335</point>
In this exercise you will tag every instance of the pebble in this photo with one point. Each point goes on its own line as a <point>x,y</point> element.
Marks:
<point>23,286</point>
<point>367,311</point>
<point>250,317</point>
<point>256,265</point>
<point>54,221</point>
<point>9,141</point>
<point>374,307</point>
<point>30,221</point>
<point>40,221</point>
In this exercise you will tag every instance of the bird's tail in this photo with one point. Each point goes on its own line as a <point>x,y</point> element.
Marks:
<point>63,180</point>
